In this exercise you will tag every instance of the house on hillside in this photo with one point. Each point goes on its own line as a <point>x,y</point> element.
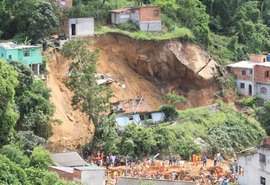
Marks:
<point>253,76</point>
<point>78,27</point>
<point>255,168</point>
<point>26,54</point>
<point>65,4</point>
<point>139,118</point>
<point>71,167</point>
<point>138,104</point>
<point>147,17</point>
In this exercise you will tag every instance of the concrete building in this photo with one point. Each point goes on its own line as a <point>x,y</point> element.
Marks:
<point>147,17</point>
<point>255,168</point>
<point>78,27</point>
<point>65,4</point>
<point>140,118</point>
<point>253,76</point>
<point>71,167</point>
<point>26,54</point>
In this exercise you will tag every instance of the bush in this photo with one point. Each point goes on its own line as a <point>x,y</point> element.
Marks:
<point>129,26</point>
<point>15,155</point>
<point>40,158</point>
<point>170,112</point>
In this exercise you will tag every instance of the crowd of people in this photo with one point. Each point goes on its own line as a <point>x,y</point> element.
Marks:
<point>137,169</point>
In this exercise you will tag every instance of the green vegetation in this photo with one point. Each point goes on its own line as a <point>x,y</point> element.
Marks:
<point>219,130</point>
<point>182,33</point>
<point>31,19</point>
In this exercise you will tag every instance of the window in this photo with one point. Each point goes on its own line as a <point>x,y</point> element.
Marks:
<point>156,13</point>
<point>2,55</point>
<point>263,90</point>
<point>243,72</point>
<point>26,53</point>
<point>262,158</point>
<point>242,85</point>
<point>142,117</point>
<point>130,118</point>
<point>263,181</point>
<point>10,57</point>
<point>250,71</point>
<point>266,74</point>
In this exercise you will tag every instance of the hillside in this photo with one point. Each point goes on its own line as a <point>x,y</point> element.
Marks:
<point>153,68</point>
<point>140,69</point>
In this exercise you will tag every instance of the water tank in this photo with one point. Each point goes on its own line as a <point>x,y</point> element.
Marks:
<point>268,57</point>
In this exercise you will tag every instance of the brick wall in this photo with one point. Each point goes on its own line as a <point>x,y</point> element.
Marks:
<point>151,13</point>
<point>266,142</point>
<point>62,174</point>
<point>238,73</point>
<point>64,27</point>
<point>260,74</point>
<point>258,58</point>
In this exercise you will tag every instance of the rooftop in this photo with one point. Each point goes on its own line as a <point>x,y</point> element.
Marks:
<point>248,64</point>
<point>12,45</point>
<point>68,159</point>
<point>129,8</point>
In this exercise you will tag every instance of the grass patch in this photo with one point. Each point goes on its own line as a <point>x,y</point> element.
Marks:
<point>179,33</point>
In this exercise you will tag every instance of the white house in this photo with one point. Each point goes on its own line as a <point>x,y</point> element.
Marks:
<point>142,119</point>
<point>255,169</point>
<point>252,77</point>
<point>78,27</point>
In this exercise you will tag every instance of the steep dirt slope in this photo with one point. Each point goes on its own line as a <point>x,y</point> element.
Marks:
<point>151,69</point>
<point>140,69</point>
<point>75,128</point>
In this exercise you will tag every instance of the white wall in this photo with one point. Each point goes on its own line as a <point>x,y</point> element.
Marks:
<point>124,120</point>
<point>254,169</point>
<point>158,116</point>
<point>244,91</point>
<point>93,177</point>
<point>258,90</point>
<point>84,26</point>
<point>150,26</point>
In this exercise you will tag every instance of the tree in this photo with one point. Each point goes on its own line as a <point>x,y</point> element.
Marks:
<point>27,141</point>
<point>32,99</point>
<point>41,177</point>
<point>262,114</point>
<point>40,158</point>
<point>11,173</point>
<point>192,14</point>
<point>33,19</point>
<point>91,98</point>
<point>8,115</point>
<point>15,155</point>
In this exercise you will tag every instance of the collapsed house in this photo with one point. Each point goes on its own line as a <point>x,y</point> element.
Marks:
<point>71,167</point>
<point>135,111</point>
<point>147,17</point>
<point>253,76</point>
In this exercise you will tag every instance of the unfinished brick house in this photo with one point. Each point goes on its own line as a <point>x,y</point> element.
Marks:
<point>147,17</point>
<point>253,76</point>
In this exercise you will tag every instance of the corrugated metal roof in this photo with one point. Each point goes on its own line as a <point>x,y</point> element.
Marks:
<point>68,159</point>
<point>248,64</point>
<point>12,45</point>
<point>120,10</point>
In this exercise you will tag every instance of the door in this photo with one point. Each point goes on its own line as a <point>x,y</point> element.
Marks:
<point>73,29</point>
<point>250,90</point>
